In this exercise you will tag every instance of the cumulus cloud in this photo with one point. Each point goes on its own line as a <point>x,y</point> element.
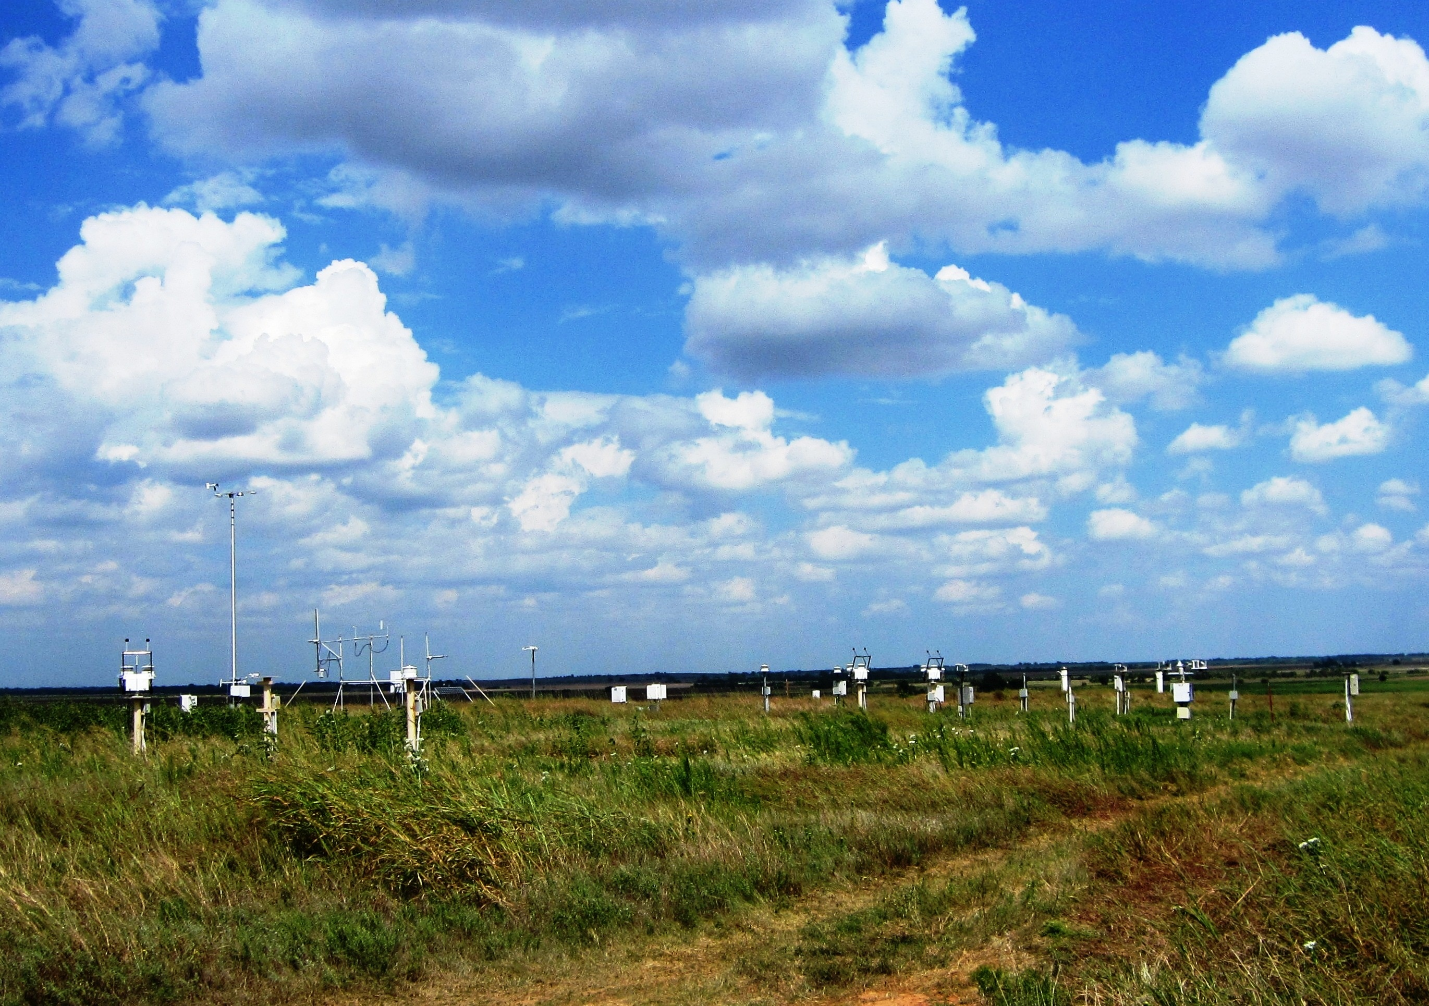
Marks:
<point>750,133</point>
<point>1397,494</point>
<point>175,348</point>
<point>1050,429</point>
<point>19,587</point>
<point>968,593</point>
<point>1357,433</point>
<point>865,316</point>
<point>1116,524</point>
<point>989,506</point>
<point>1301,333</point>
<point>990,552</point>
<point>1196,438</point>
<point>1283,490</point>
<point>1131,377</point>
<point>743,454</point>
<point>839,542</point>
<point>1399,396</point>
<point>176,305</point>
<point>1344,124</point>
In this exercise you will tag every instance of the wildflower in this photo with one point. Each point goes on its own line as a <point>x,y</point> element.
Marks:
<point>1311,845</point>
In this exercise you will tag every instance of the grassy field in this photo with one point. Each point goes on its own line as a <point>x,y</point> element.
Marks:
<point>1007,859</point>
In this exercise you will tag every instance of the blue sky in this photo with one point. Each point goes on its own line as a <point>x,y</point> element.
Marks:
<point>709,334</point>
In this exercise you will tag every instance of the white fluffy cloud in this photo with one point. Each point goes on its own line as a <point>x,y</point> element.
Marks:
<point>1357,433</point>
<point>1116,524</point>
<point>1301,333</point>
<point>839,542</point>
<point>1130,377</point>
<point>161,319</point>
<point>1397,494</point>
<point>744,454</point>
<point>1345,124</point>
<point>748,132</point>
<point>1286,491</point>
<point>864,316</point>
<point>1196,438</point>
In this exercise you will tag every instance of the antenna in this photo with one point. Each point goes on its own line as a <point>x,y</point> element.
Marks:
<point>426,640</point>
<point>325,655</point>
<point>232,496</point>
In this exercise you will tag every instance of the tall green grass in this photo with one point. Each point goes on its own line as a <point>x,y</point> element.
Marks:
<point>211,870</point>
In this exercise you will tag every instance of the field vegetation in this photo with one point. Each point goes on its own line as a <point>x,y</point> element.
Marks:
<point>1276,858</point>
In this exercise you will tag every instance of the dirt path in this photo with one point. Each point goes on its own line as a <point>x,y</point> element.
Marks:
<point>727,961</point>
<point>724,962</point>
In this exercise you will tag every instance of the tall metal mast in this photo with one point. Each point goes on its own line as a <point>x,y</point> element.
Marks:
<point>231,496</point>
<point>533,668</point>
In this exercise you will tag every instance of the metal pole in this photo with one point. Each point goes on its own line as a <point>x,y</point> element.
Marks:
<point>233,586</point>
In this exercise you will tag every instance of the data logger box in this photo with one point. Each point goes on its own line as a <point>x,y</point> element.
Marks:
<point>935,694</point>
<point>860,673</point>
<point>840,688</point>
<point>817,695</point>
<point>967,695</point>
<point>934,673</point>
<point>654,693</point>
<point>240,691</point>
<point>617,694</point>
<point>1354,684</point>
<point>188,703</point>
<point>1181,692</point>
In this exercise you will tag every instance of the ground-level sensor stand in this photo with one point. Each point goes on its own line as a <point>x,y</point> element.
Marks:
<point>764,688</point>
<point>136,677</point>
<point>1183,692</point>
<point>416,691</point>
<point>1070,696</point>
<point>1234,695</point>
<point>1123,695</point>
<point>966,692</point>
<point>859,670</point>
<point>933,670</point>
<point>1352,691</point>
<point>1024,698</point>
<point>839,688</point>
